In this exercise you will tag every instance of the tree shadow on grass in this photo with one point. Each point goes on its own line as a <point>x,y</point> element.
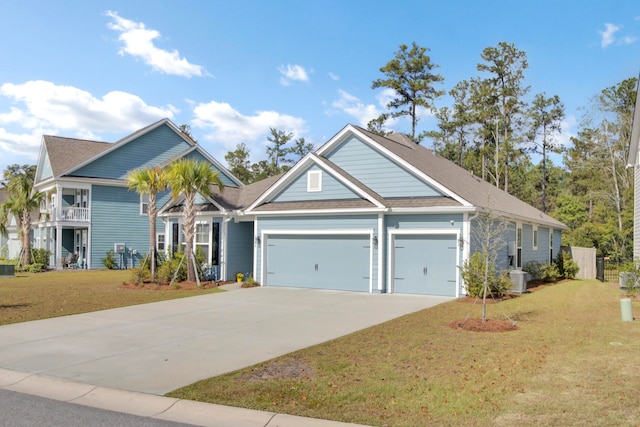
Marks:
<point>3,306</point>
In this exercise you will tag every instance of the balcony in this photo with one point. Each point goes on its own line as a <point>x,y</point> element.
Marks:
<point>71,214</point>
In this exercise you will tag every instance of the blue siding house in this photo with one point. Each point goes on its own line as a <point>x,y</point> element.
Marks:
<point>88,209</point>
<point>382,214</point>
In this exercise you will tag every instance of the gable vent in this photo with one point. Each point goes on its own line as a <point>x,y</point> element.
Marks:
<point>314,181</point>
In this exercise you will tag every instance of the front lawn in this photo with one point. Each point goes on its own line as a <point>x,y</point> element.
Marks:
<point>31,296</point>
<point>572,361</point>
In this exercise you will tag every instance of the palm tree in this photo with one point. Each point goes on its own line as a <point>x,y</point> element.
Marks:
<point>149,181</point>
<point>20,203</point>
<point>188,177</point>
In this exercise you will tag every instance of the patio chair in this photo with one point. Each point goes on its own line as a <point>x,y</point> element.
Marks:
<point>71,261</point>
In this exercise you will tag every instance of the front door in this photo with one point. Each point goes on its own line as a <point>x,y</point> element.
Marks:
<point>81,246</point>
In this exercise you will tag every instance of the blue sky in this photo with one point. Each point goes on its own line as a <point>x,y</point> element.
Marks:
<point>233,69</point>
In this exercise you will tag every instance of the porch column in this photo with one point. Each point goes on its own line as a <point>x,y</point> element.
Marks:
<point>48,232</point>
<point>58,237</point>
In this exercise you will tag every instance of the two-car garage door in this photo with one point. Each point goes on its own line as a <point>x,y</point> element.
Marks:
<point>339,261</point>
<point>420,263</point>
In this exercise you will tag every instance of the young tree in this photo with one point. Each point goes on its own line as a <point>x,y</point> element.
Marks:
<point>410,75</point>
<point>20,203</point>
<point>546,116</point>
<point>150,182</point>
<point>188,177</point>
<point>488,235</point>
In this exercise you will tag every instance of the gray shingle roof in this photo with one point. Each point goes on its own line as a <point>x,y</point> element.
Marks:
<point>65,153</point>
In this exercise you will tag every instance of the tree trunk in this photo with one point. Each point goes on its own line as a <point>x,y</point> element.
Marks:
<point>189,231</point>
<point>26,237</point>
<point>153,213</point>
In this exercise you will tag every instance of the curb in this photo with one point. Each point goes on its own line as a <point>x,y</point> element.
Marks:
<point>152,406</point>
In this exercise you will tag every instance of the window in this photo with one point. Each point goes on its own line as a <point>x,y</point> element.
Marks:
<point>535,237</point>
<point>144,204</point>
<point>82,198</point>
<point>160,242</point>
<point>202,240</point>
<point>314,181</point>
<point>550,245</point>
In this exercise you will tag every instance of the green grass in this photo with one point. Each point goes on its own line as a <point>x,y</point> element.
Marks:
<point>43,295</point>
<point>571,362</point>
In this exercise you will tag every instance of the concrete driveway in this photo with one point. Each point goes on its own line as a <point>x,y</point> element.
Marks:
<point>155,348</point>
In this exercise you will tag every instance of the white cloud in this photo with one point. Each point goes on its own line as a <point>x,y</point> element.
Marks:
<point>608,35</point>
<point>227,127</point>
<point>354,107</point>
<point>334,76</point>
<point>69,109</point>
<point>22,145</point>
<point>292,73</point>
<point>138,42</point>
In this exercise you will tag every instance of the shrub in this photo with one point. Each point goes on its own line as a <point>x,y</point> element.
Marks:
<point>473,276</point>
<point>570,268</point>
<point>35,267</point>
<point>168,269</point>
<point>110,260</point>
<point>139,275</point>
<point>549,272</point>
<point>534,268</point>
<point>41,256</point>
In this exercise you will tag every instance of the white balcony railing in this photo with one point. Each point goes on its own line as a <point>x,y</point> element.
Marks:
<point>71,214</point>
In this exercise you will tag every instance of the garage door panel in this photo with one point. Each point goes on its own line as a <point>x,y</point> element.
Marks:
<point>425,264</point>
<point>319,261</point>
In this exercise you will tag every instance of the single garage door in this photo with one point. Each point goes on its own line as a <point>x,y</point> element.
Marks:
<point>425,264</point>
<point>341,262</point>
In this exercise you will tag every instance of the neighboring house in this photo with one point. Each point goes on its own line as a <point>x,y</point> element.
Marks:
<point>88,209</point>
<point>10,241</point>
<point>634,160</point>
<point>374,214</point>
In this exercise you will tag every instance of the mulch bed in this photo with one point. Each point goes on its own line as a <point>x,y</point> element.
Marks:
<point>178,286</point>
<point>477,325</point>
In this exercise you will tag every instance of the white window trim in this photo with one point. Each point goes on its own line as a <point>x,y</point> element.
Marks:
<point>144,201</point>
<point>164,242</point>
<point>314,176</point>
<point>534,237</point>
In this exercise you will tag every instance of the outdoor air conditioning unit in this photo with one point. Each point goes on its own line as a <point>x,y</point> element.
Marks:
<point>518,281</point>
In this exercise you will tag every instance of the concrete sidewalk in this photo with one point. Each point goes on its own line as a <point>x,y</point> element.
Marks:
<point>154,348</point>
<point>152,406</point>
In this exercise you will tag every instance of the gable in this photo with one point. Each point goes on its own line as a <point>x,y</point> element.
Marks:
<point>378,172</point>
<point>224,176</point>
<point>329,188</point>
<point>148,150</point>
<point>44,168</point>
